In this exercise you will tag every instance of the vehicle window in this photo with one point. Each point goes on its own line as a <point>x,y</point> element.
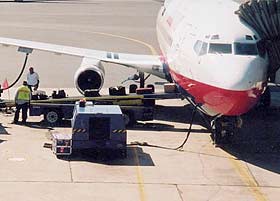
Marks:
<point>245,49</point>
<point>220,48</point>
<point>200,48</point>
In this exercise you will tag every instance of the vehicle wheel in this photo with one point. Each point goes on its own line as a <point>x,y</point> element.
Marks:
<point>123,153</point>
<point>52,117</point>
<point>129,119</point>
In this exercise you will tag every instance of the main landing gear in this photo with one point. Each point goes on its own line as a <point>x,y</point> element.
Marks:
<point>224,128</point>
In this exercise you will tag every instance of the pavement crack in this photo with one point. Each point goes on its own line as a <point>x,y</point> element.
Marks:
<point>215,194</point>
<point>252,175</point>
<point>179,192</point>
<point>71,173</point>
<point>202,163</point>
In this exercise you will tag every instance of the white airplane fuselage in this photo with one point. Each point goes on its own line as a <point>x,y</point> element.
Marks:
<point>212,55</point>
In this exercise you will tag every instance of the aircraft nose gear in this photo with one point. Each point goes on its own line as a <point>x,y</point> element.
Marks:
<point>224,128</point>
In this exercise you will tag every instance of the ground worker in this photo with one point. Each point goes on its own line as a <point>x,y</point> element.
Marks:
<point>22,100</point>
<point>32,79</point>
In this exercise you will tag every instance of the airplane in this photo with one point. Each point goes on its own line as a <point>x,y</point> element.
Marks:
<point>206,50</point>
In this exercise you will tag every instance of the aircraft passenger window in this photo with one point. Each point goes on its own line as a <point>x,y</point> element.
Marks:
<point>220,48</point>
<point>245,49</point>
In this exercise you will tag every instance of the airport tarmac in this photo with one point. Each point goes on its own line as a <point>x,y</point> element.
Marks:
<point>248,169</point>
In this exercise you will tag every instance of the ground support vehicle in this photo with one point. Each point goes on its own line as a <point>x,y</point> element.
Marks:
<point>134,107</point>
<point>94,127</point>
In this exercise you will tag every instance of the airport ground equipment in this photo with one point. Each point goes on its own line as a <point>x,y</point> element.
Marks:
<point>133,110</point>
<point>97,127</point>
<point>62,144</point>
<point>135,107</point>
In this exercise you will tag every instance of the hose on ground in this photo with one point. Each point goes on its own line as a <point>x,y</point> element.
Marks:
<point>170,148</point>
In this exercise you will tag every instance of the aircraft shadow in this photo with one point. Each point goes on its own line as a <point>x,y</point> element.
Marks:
<point>258,142</point>
<point>135,157</point>
<point>179,114</point>
<point>164,127</point>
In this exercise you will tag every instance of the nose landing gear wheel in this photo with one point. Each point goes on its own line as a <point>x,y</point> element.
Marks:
<point>224,129</point>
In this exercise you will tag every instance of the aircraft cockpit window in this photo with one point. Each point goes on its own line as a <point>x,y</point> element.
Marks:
<point>200,48</point>
<point>220,48</point>
<point>248,37</point>
<point>245,49</point>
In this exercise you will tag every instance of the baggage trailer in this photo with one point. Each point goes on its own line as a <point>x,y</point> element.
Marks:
<point>54,113</point>
<point>134,107</point>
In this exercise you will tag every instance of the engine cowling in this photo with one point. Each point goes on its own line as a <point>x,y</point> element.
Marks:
<point>89,76</point>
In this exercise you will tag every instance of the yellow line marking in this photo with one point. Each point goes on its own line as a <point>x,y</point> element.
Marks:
<point>244,174</point>
<point>248,179</point>
<point>139,176</point>
<point>152,49</point>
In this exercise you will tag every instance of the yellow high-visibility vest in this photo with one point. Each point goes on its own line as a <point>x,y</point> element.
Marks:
<point>23,93</point>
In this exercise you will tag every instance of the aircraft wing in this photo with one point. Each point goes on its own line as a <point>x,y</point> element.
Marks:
<point>145,63</point>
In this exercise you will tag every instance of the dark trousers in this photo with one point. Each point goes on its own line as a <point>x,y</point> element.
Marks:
<point>24,108</point>
<point>35,86</point>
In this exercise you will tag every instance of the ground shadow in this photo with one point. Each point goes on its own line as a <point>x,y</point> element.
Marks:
<point>2,141</point>
<point>3,130</point>
<point>177,114</point>
<point>258,142</point>
<point>135,157</point>
<point>164,127</point>
<point>36,125</point>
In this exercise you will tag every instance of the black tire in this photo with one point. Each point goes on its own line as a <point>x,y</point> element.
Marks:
<point>123,153</point>
<point>151,86</point>
<point>52,117</point>
<point>266,98</point>
<point>129,119</point>
<point>132,88</point>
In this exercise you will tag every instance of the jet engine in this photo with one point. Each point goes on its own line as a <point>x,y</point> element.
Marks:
<point>89,76</point>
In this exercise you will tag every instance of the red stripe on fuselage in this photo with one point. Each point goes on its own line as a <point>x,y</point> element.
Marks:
<point>217,100</point>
